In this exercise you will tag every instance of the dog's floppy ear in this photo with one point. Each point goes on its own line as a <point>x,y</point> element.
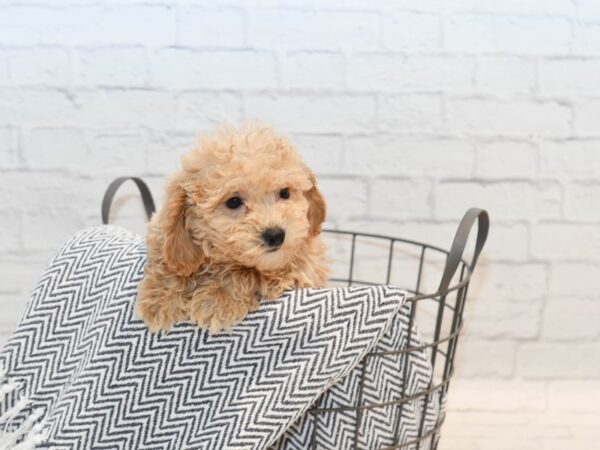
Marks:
<point>317,208</point>
<point>179,252</point>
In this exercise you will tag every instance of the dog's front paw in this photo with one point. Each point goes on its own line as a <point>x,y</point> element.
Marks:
<point>159,310</point>
<point>217,311</point>
<point>274,290</point>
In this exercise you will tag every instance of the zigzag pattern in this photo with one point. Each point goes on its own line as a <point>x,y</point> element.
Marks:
<point>377,427</point>
<point>104,382</point>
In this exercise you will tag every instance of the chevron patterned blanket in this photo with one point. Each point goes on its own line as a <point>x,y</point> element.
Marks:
<point>81,372</point>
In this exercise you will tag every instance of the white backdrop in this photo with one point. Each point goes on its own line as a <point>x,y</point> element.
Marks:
<point>409,112</point>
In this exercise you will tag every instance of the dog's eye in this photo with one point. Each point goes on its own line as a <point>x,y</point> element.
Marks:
<point>284,193</point>
<point>234,203</point>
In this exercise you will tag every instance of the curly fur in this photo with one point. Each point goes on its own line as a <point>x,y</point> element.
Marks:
<point>207,263</point>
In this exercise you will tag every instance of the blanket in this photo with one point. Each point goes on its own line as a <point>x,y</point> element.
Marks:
<point>82,372</point>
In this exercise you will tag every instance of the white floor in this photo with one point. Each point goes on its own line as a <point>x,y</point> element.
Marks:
<point>546,415</point>
<point>520,431</point>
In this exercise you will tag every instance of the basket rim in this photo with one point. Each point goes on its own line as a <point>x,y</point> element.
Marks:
<point>416,295</point>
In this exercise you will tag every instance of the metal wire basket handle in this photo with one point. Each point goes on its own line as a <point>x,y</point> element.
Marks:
<point>460,242</point>
<point>112,190</point>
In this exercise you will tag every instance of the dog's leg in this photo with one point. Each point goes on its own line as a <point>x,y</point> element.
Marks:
<point>273,288</point>
<point>220,304</point>
<point>161,302</point>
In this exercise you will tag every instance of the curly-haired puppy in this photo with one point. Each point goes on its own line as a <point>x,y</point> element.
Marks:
<point>241,222</point>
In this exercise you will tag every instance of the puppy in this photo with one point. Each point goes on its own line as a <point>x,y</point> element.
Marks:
<point>241,222</point>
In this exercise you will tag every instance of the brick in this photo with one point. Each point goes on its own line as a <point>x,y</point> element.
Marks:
<point>497,395</point>
<point>50,229</point>
<point>38,193</point>
<point>111,151</point>
<point>574,396</point>
<point>13,307</point>
<point>573,279</point>
<point>554,360</point>
<point>408,156</point>
<point>393,72</point>
<point>322,153</point>
<point>112,66</point>
<point>571,319</point>
<point>581,201</point>
<point>20,274</point>
<point>316,70</point>
<point>120,108</point>
<point>204,110</point>
<point>507,159</point>
<point>504,200</point>
<point>508,242</point>
<point>126,108</point>
<point>505,75</point>
<point>9,147</point>
<point>4,72</point>
<point>585,117</point>
<point>491,318</point>
<point>588,10</point>
<point>150,24</point>
<point>411,113</point>
<point>586,39</point>
<point>164,150</point>
<point>48,66</point>
<point>346,197</point>
<point>434,6</point>
<point>513,282</point>
<point>179,68</point>
<point>10,238</point>
<point>511,118</point>
<point>411,31</point>
<point>56,148</point>
<point>570,76</point>
<point>566,241</point>
<point>325,113</point>
<point>36,105</point>
<point>293,28</point>
<point>572,159</point>
<point>223,27</point>
<point>559,7</point>
<point>485,359</point>
<point>508,34</point>
<point>459,32</point>
<point>397,198</point>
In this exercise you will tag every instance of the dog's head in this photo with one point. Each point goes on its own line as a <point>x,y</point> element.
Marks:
<point>243,197</point>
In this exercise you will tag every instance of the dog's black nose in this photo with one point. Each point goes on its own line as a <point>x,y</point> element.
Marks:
<point>273,237</point>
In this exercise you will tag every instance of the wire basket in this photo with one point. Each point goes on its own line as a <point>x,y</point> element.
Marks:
<point>437,281</point>
<point>435,309</point>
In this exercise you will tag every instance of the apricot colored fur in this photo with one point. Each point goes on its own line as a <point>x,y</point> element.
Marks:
<point>207,263</point>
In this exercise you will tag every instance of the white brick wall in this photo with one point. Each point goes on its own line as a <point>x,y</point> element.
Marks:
<point>409,111</point>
